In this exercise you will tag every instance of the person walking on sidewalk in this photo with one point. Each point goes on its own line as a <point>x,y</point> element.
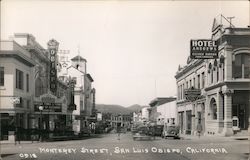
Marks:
<point>199,129</point>
<point>17,135</point>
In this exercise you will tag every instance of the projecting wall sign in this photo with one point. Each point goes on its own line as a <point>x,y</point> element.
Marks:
<point>203,49</point>
<point>52,47</point>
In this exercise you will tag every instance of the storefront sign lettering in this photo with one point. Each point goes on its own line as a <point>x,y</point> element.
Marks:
<point>53,72</point>
<point>203,49</point>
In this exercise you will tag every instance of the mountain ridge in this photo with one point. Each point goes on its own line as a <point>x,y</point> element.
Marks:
<point>118,109</point>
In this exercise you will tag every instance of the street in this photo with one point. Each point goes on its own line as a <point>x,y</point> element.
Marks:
<point>108,147</point>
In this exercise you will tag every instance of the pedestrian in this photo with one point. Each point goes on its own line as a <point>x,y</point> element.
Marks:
<point>17,135</point>
<point>152,130</point>
<point>199,129</point>
<point>118,130</point>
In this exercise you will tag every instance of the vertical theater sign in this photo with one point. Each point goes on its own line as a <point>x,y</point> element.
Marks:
<point>52,48</point>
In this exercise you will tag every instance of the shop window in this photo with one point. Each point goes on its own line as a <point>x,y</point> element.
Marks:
<point>1,76</point>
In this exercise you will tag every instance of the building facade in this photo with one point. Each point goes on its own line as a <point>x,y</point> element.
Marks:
<point>145,114</point>
<point>156,110</point>
<point>84,93</point>
<point>224,84</point>
<point>121,120</point>
<point>16,91</point>
<point>34,97</point>
<point>167,113</point>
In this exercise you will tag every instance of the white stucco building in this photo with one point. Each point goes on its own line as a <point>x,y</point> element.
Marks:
<point>84,94</point>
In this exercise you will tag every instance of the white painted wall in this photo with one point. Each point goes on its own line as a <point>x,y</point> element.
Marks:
<point>168,111</point>
<point>145,113</point>
<point>10,65</point>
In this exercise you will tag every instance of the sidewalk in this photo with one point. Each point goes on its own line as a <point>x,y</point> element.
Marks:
<point>213,137</point>
<point>6,142</point>
<point>21,142</point>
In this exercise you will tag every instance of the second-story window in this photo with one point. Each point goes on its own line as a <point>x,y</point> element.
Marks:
<point>27,82</point>
<point>194,83</point>
<point>241,66</point>
<point>198,82</point>
<point>28,104</point>
<point>217,75</point>
<point>1,76</point>
<point>202,80</point>
<point>19,79</point>
<point>212,76</point>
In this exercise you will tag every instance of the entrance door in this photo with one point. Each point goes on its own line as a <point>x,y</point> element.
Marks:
<point>203,117</point>
<point>242,116</point>
<point>188,122</point>
<point>181,121</point>
<point>239,110</point>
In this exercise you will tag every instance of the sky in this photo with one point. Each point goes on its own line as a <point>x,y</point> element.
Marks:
<point>133,48</point>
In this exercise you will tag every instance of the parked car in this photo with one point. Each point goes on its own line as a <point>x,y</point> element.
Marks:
<point>85,132</point>
<point>142,133</point>
<point>171,131</point>
<point>156,130</point>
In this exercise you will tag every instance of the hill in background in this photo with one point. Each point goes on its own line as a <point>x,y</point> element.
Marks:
<point>112,108</point>
<point>117,109</point>
<point>135,107</point>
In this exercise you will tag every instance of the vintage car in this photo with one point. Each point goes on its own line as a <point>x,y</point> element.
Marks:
<point>156,130</point>
<point>86,131</point>
<point>142,133</point>
<point>171,131</point>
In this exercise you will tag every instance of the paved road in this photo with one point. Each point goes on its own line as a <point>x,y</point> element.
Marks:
<point>108,147</point>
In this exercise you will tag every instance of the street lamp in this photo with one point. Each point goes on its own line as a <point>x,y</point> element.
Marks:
<point>41,110</point>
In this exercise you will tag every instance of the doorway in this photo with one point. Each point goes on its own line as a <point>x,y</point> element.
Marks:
<point>239,110</point>
<point>181,121</point>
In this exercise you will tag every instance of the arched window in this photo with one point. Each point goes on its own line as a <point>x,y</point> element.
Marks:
<point>210,71</point>
<point>213,108</point>
<point>241,66</point>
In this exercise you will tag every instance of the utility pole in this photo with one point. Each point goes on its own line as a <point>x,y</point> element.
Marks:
<point>230,21</point>
<point>249,27</point>
<point>155,89</point>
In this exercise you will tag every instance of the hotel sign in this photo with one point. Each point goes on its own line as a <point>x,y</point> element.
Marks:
<point>203,49</point>
<point>52,47</point>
